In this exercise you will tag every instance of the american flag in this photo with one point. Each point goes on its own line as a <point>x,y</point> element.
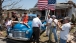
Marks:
<point>46,4</point>
<point>41,4</point>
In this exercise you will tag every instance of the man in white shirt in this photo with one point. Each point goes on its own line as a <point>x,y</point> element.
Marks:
<point>65,28</point>
<point>49,20</point>
<point>36,28</point>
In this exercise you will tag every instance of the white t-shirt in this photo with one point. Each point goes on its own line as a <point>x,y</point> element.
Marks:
<point>53,24</point>
<point>65,31</point>
<point>49,20</point>
<point>56,21</point>
<point>37,22</point>
<point>8,22</point>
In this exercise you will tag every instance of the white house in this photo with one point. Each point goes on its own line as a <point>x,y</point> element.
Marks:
<point>62,10</point>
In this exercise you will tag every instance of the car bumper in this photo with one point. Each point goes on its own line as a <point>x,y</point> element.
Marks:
<point>21,39</point>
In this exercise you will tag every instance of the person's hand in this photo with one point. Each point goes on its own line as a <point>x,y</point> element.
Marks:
<point>58,24</point>
<point>53,21</point>
<point>24,23</point>
<point>45,24</point>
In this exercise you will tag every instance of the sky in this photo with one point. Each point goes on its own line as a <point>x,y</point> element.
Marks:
<point>27,4</point>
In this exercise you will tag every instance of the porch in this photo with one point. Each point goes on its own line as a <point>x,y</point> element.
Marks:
<point>62,10</point>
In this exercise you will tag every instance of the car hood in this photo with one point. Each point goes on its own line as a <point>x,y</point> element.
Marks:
<point>21,27</point>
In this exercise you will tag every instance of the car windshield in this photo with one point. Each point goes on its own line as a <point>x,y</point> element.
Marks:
<point>31,17</point>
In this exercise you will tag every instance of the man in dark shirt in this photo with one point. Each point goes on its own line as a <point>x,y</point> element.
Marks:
<point>14,16</point>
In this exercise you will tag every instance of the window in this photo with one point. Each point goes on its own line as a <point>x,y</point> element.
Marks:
<point>31,17</point>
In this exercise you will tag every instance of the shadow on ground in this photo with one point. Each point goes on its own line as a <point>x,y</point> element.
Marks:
<point>15,41</point>
<point>47,41</point>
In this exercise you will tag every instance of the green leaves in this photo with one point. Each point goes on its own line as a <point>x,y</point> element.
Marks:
<point>73,19</point>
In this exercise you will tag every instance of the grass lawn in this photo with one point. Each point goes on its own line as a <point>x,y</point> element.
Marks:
<point>73,30</point>
<point>3,33</point>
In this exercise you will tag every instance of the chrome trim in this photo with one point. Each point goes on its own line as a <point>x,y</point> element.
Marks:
<point>18,34</point>
<point>22,39</point>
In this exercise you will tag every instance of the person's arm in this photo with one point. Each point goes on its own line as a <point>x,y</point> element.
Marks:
<point>15,21</point>
<point>5,25</point>
<point>62,28</point>
<point>40,23</point>
<point>27,17</point>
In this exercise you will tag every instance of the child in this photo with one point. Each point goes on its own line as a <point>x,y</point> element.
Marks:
<point>8,24</point>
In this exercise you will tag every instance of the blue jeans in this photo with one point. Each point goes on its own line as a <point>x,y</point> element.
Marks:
<point>8,29</point>
<point>62,41</point>
<point>54,30</point>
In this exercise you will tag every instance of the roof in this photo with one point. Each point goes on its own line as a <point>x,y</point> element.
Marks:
<point>61,6</point>
<point>17,9</point>
<point>58,6</point>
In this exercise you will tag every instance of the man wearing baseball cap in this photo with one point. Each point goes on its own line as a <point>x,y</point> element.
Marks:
<point>54,27</point>
<point>65,28</point>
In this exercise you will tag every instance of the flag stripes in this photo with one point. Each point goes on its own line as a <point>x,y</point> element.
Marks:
<point>46,4</point>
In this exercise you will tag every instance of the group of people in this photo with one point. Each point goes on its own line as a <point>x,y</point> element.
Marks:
<point>52,25</point>
<point>9,22</point>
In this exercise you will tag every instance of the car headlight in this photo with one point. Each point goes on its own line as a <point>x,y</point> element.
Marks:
<point>27,32</point>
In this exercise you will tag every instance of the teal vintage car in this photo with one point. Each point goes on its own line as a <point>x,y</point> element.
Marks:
<point>24,32</point>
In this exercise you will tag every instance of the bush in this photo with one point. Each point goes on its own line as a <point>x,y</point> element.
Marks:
<point>73,19</point>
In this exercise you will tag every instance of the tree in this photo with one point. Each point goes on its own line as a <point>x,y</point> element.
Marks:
<point>73,19</point>
<point>1,9</point>
<point>11,5</point>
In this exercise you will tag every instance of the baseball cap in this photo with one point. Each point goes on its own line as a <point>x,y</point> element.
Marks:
<point>53,16</point>
<point>67,18</point>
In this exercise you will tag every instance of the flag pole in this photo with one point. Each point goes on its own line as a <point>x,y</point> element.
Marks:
<point>54,12</point>
<point>47,13</point>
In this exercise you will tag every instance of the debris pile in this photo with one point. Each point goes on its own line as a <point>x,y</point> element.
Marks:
<point>74,34</point>
<point>72,38</point>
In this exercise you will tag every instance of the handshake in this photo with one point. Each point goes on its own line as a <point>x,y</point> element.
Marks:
<point>46,24</point>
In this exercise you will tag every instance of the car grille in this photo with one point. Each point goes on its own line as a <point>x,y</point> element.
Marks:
<point>18,34</point>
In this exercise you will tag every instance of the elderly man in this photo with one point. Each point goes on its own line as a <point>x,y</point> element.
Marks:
<point>65,28</point>
<point>54,27</point>
<point>49,20</point>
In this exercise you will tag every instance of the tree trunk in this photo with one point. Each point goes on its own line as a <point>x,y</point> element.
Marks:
<point>1,17</point>
<point>0,10</point>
